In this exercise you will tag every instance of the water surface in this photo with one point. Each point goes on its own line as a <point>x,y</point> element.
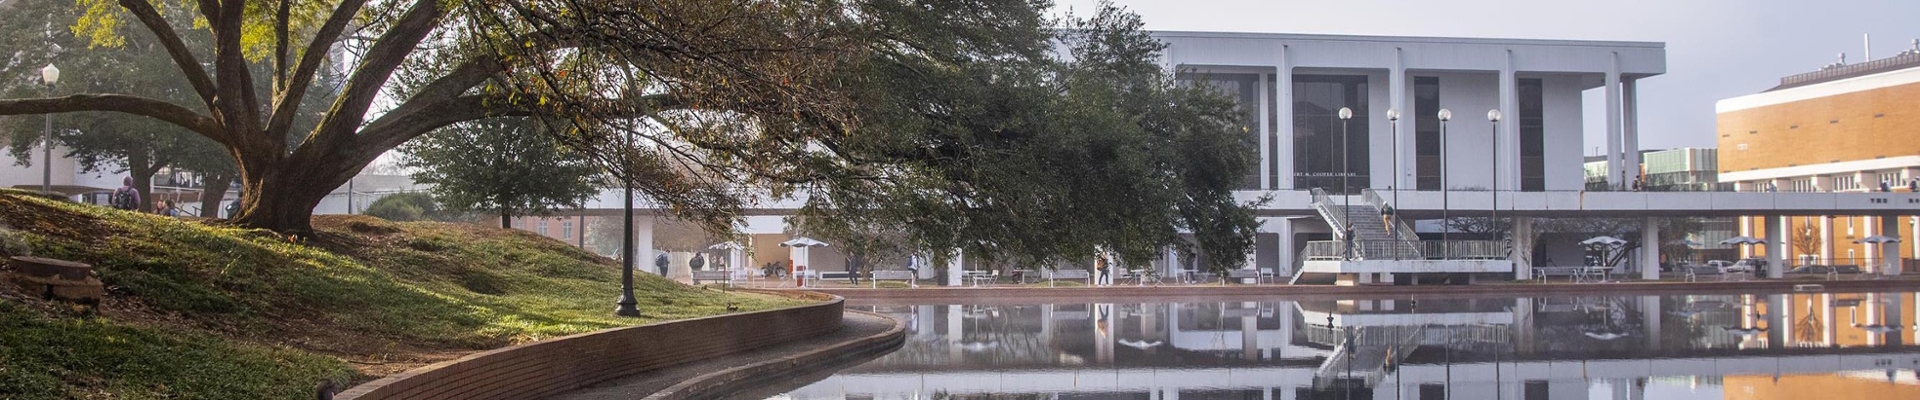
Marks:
<point>1778,346</point>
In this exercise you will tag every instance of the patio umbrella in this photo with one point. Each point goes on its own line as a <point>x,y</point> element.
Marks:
<point>1743,240</point>
<point>803,241</point>
<point>725,246</point>
<point>1603,240</point>
<point>1878,239</point>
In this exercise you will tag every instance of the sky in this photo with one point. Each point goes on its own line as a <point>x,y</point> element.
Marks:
<point>1716,49</point>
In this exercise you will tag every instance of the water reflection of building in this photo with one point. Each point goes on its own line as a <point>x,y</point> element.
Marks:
<point>1557,348</point>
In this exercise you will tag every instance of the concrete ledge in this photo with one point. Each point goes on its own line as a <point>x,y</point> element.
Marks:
<point>550,367</point>
<point>1013,295</point>
<point>726,383</point>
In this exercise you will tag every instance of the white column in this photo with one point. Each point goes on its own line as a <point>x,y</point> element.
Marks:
<point>1397,83</point>
<point>1522,255</point>
<point>1890,253</point>
<point>643,244</point>
<point>1283,84</point>
<point>1630,140</point>
<point>955,266</point>
<point>1650,249</point>
<point>1780,243</point>
<point>1283,267</point>
<point>1826,239</point>
<point>1507,177</point>
<point>1615,170</point>
<point>1746,229</point>
<point>1266,136</point>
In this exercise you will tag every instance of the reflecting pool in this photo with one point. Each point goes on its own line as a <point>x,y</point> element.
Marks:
<point>1765,346</point>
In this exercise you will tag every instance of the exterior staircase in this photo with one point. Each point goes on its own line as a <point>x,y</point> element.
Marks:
<point>1373,237</point>
<point>1367,354</point>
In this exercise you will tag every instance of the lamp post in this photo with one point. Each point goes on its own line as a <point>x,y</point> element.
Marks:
<point>1346,196</point>
<point>1393,126</point>
<point>1494,117</point>
<point>626,304</point>
<point>49,75</point>
<point>1445,199</point>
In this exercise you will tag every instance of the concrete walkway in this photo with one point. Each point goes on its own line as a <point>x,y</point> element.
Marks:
<point>761,372</point>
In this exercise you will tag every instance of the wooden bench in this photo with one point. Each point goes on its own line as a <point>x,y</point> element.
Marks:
<point>892,275</point>
<point>1068,274</point>
<point>712,276</point>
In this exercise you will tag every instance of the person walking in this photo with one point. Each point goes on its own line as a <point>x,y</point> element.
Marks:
<point>126,197</point>
<point>1913,185</point>
<point>1100,266</point>
<point>1885,186</point>
<point>853,269</point>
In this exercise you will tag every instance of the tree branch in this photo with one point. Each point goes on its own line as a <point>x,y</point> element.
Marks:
<point>161,110</point>
<point>189,65</point>
<point>280,44</point>
<point>375,68</point>
<point>237,104</point>
<point>286,103</point>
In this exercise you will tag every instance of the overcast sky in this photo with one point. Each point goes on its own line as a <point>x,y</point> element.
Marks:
<point>1716,49</point>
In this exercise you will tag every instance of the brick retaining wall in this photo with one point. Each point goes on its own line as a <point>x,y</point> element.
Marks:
<point>550,367</point>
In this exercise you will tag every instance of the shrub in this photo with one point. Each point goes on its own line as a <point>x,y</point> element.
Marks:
<point>405,207</point>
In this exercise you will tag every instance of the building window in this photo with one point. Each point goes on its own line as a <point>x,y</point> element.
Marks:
<point>566,230</point>
<point>1244,90</point>
<point>1533,128</point>
<point>543,226</point>
<point>1324,157</point>
<point>1426,128</point>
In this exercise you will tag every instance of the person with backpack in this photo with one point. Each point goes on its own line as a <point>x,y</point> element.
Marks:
<point>126,197</point>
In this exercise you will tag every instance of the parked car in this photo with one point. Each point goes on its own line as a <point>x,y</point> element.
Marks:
<point>1750,265</point>
<point>1720,265</point>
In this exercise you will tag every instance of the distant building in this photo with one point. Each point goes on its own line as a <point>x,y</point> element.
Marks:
<point>1843,128</point>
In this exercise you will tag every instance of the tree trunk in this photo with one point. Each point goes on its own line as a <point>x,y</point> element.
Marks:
<point>506,220</point>
<point>280,193</point>
<point>212,191</point>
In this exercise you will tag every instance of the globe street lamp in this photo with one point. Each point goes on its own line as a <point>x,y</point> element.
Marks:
<point>48,75</point>
<point>1445,198</point>
<point>1494,117</point>
<point>1346,198</point>
<point>1393,125</point>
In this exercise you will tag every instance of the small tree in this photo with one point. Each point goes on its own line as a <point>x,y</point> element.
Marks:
<point>504,166</point>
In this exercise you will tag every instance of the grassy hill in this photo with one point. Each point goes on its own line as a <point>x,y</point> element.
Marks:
<point>197,310</point>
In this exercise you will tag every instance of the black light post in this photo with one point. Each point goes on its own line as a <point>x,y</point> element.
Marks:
<point>1393,125</point>
<point>626,304</point>
<point>49,75</point>
<point>1346,195</point>
<point>1445,197</point>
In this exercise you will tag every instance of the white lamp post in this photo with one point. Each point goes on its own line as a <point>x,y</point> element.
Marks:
<point>1445,198</point>
<point>1346,197</point>
<point>1494,117</point>
<point>49,75</point>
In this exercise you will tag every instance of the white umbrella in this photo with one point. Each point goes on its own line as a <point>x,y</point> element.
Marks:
<point>1743,240</point>
<point>726,246</point>
<point>803,241</point>
<point>1603,240</point>
<point>1878,239</point>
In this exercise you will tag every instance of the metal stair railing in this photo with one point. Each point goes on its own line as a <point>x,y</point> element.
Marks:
<point>1400,227</point>
<point>1323,204</point>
